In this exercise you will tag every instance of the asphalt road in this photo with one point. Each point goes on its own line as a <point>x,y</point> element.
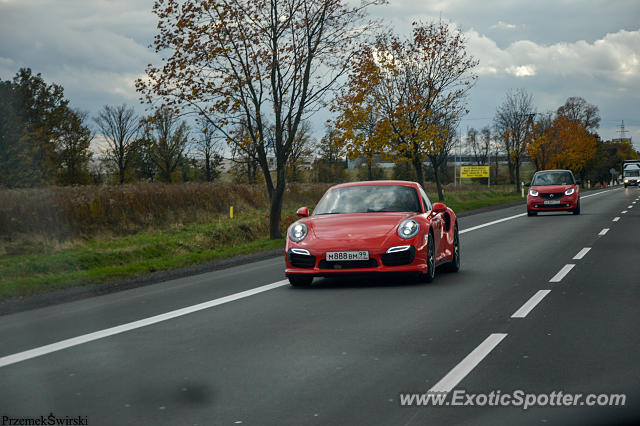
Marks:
<point>198,350</point>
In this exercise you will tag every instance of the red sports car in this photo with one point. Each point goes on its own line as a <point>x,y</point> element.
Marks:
<point>553,190</point>
<point>372,227</point>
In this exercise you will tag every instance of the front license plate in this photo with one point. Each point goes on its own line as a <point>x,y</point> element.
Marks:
<point>347,255</point>
<point>552,202</point>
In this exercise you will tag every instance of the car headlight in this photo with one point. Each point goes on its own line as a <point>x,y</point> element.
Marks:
<point>569,191</point>
<point>533,192</point>
<point>298,232</point>
<point>408,228</point>
<point>626,181</point>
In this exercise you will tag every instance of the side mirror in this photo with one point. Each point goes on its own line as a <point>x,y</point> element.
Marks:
<point>527,184</point>
<point>438,208</point>
<point>303,212</point>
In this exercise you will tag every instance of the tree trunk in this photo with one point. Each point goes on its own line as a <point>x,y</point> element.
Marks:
<point>121,171</point>
<point>417,165</point>
<point>275,208</point>
<point>207,166</point>
<point>436,175</point>
<point>517,172</point>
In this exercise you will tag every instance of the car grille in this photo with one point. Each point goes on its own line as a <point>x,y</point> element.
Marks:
<point>551,195</point>
<point>399,258</point>
<point>552,206</point>
<point>301,260</point>
<point>347,264</point>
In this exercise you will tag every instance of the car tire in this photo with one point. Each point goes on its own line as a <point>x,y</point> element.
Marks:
<point>300,280</point>
<point>454,265</point>
<point>431,261</point>
<point>531,213</point>
<point>625,185</point>
<point>577,209</point>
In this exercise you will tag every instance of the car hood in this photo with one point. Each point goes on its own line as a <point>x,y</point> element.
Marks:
<point>545,189</point>
<point>355,225</point>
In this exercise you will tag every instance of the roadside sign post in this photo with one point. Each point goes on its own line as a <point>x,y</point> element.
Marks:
<point>469,172</point>
<point>522,188</point>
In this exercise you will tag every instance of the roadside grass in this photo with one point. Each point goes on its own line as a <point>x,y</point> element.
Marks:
<point>107,258</point>
<point>39,262</point>
<point>462,201</point>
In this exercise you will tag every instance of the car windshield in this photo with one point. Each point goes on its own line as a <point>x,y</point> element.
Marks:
<point>632,173</point>
<point>553,178</point>
<point>368,199</point>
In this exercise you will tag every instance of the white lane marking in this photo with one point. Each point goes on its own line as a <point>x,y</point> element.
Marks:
<point>75,341</point>
<point>561,274</point>
<point>530,304</point>
<point>581,253</point>
<point>624,211</point>
<point>460,371</point>
<point>629,207</point>
<point>473,228</point>
<point>604,231</point>
<point>617,218</point>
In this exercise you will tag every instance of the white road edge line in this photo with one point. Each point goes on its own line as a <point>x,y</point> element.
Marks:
<point>604,231</point>
<point>624,211</point>
<point>460,371</point>
<point>75,341</point>
<point>561,274</point>
<point>530,304</point>
<point>629,207</point>
<point>581,253</point>
<point>615,219</point>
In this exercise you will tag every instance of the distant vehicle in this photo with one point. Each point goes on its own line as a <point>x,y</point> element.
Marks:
<point>552,190</point>
<point>631,172</point>
<point>372,227</point>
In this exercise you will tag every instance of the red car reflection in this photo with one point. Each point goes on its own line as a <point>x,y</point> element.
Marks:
<point>372,227</point>
<point>552,190</point>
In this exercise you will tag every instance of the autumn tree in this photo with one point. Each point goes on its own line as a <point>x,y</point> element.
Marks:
<point>72,149</point>
<point>541,148</point>
<point>562,144</point>
<point>513,124</point>
<point>330,164</point>
<point>259,62</point>
<point>580,111</point>
<point>301,149</point>
<point>35,119</point>
<point>414,89</point>
<point>479,143</point>
<point>168,137</point>
<point>120,127</point>
<point>207,148</point>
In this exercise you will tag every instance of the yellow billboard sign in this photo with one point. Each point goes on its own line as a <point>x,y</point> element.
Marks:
<point>474,171</point>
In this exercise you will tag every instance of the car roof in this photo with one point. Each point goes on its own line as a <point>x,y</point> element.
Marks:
<point>377,182</point>
<point>554,170</point>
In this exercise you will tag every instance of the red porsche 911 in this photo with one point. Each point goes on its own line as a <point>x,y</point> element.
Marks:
<point>372,227</point>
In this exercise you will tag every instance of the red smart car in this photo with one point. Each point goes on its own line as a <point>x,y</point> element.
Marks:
<point>552,190</point>
<point>372,227</point>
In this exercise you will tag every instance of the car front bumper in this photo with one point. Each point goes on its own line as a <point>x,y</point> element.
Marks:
<point>567,202</point>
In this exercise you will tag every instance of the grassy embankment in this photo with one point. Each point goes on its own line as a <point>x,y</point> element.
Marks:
<point>62,237</point>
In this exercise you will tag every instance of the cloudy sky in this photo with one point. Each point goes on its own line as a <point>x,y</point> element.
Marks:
<point>554,49</point>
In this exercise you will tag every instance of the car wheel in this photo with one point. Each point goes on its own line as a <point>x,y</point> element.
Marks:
<point>454,265</point>
<point>300,280</point>
<point>431,261</point>
<point>577,209</point>
<point>531,213</point>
